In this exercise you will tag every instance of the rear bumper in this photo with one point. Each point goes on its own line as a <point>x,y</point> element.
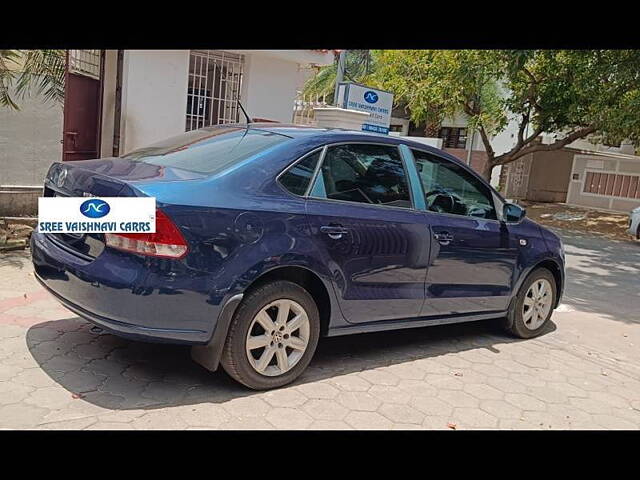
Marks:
<point>130,296</point>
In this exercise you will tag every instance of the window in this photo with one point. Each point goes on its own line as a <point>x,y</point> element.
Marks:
<point>363,173</point>
<point>215,81</point>
<point>296,179</point>
<point>453,137</point>
<point>449,188</point>
<point>208,150</point>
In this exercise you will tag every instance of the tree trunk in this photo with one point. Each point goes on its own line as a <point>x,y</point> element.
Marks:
<point>432,129</point>
<point>487,168</point>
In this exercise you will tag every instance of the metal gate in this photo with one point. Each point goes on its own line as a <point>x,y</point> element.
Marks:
<point>517,184</point>
<point>82,105</point>
<point>215,81</point>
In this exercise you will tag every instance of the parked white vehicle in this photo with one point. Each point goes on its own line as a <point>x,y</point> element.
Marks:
<point>634,223</point>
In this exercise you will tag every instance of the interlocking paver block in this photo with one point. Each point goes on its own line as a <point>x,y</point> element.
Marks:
<point>202,415</point>
<point>401,413</point>
<point>419,388</point>
<point>458,398</point>
<point>351,382</point>
<point>56,373</point>
<point>524,402</point>
<point>320,390</point>
<point>379,377</point>
<point>359,401</point>
<point>431,406</point>
<point>368,421</point>
<point>500,409</point>
<point>483,392</point>
<point>288,418</point>
<point>473,418</point>
<point>247,407</point>
<point>159,420</point>
<point>325,409</point>
<point>287,397</point>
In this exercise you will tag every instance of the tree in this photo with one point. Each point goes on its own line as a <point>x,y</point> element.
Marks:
<point>566,93</point>
<point>358,64</point>
<point>26,72</point>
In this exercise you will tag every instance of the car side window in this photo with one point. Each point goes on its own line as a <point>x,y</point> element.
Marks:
<point>296,179</point>
<point>449,188</point>
<point>363,173</point>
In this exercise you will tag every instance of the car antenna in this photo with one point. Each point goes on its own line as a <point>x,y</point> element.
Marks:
<point>244,111</point>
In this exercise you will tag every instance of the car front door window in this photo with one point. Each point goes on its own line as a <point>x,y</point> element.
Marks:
<point>449,188</point>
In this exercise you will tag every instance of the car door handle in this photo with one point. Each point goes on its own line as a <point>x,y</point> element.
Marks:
<point>443,238</point>
<point>335,232</point>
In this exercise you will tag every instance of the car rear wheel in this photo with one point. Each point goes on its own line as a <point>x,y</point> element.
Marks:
<point>273,335</point>
<point>533,305</point>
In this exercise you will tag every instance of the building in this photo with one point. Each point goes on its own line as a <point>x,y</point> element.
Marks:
<point>606,180</point>
<point>119,100</point>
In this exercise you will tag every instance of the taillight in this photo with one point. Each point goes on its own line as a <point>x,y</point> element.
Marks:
<point>167,242</point>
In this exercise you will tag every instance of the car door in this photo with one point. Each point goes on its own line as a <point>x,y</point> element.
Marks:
<point>362,222</point>
<point>472,259</point>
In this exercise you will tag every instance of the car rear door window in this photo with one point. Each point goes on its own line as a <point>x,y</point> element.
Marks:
<point>297,178</point>
<point>363,173</point>
<point>449,188</point>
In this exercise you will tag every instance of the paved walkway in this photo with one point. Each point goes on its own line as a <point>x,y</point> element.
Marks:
<point>584,373</point>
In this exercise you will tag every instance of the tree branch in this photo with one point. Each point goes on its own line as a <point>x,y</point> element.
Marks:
<point>487,145</point>
<point>539,147</point>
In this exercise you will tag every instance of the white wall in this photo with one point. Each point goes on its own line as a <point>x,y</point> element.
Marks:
<point>29,140</point>
<point>108,102</point>
<point>269,87</point>
<point>154,96</point>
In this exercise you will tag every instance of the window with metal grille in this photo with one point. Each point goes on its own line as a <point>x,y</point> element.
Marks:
<point>215,81</point>
<point>85,62</point>
<point>453,137</point>
<point>612,184</point>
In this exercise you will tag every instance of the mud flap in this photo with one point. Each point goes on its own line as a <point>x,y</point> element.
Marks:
<point>209,355</point>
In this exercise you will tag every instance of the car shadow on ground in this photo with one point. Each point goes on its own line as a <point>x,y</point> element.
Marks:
<point>120,374</point>
<point>14,259</point>
<point>602,275</point>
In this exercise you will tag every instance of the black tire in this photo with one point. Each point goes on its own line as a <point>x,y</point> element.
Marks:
<point>234,356</point>
<point>514,323</point>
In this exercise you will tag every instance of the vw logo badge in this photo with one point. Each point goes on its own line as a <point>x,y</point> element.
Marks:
<point>94,208</point>
<point>370,96</point>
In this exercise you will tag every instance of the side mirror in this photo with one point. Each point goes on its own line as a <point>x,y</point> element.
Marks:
<point>512,213</point>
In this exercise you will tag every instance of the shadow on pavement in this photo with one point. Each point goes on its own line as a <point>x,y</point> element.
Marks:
<point>121,374</point>
<point>602,276</point>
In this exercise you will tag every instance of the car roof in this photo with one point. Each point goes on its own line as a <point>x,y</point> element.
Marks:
<point>301,131</point>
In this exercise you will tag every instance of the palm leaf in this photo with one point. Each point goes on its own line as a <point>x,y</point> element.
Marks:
<point>43,74</point>
<point>7,77</point>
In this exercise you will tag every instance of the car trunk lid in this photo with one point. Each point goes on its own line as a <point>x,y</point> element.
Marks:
<point>108,177</point>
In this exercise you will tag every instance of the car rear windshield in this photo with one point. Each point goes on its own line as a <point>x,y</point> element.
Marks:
<point>208,150</point>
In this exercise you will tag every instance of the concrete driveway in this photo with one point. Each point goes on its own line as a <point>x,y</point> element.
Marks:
<point>584,373</point>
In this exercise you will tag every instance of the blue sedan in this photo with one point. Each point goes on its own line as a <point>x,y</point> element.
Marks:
<point>270,236</point>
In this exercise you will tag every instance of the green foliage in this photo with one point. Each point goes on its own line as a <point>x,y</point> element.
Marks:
<point>8,63</point>
<point>27,72</point>
<point>358,64</point>
<point>435,84</point>
<point>573,92</point>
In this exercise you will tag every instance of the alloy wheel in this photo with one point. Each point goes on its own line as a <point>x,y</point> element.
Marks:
<point>537,304</point>
<point>278,337</point>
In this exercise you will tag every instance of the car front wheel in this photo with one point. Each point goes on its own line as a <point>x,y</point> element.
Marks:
<point>533,306</point>
<point>273,336</point>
